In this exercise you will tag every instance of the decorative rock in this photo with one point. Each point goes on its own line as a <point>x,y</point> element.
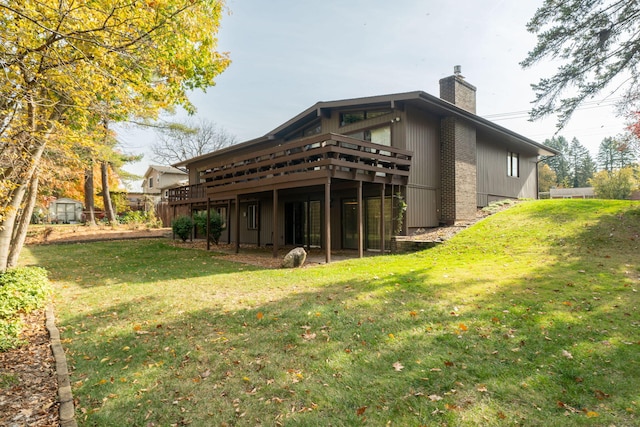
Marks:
<point>295,258</point>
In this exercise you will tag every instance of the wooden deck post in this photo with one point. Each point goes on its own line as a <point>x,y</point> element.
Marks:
<point>382,219</point>
<point>308,213</point>
<point>275,223</point>
<point>193,227</point>
<point>327,220</point>
<point>237,223</point>
<point>360,222</point>
<point>259,221</point>
<point>208,223</point>
<point>228,221</point>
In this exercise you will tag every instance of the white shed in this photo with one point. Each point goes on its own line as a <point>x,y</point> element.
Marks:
<point>66,211</point>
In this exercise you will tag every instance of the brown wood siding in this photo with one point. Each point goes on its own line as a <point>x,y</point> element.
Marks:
<point>492,180</point>
<point>417,218</point>
<point>422,136</point>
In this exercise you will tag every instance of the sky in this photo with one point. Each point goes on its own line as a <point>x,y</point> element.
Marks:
<point>289,54</point>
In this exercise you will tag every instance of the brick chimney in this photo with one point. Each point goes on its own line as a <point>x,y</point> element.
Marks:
<point>458,91</point>
<point>458,152</point>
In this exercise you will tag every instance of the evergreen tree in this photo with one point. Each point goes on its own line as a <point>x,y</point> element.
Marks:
<point>559,164</point>
<point>607,154</point>
<point>594,42</point>
<point>615,153</point>
<point>581,165</point>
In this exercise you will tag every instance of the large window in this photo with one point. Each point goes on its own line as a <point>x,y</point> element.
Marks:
<point>381,135</point>
<point>150,182</point>
<point>252,217</point>
<point>349,117</point>
<point>513,164</point>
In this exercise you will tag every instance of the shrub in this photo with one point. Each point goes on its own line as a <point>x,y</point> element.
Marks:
<point>22,290</point>
<point>618,184</point>
<point>139,218</point>
<point>216,225</point>
<point>182,227</point>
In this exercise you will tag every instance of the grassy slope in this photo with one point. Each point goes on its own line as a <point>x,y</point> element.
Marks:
<point>529,317</point>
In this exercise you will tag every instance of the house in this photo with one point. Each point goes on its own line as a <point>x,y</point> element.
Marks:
<point>572,193</point>
<point>159,178</point>
<point>349,174</point>
<point>65,211</point>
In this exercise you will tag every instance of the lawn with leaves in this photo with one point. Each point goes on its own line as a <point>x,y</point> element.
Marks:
<point>530,317</point>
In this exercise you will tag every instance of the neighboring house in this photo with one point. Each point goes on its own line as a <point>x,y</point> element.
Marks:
<point>158,178</point>
<point>572,193</point>
<point>339,174</point>
<point>65,211</point>
<point>136,201</point>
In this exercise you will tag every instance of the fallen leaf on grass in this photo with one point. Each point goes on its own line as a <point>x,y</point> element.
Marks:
<point>434,397</point>
<point>309,335</point>
<point>482,388</point>
<point>566,354</point>
<point>361,410</point>
<point>600,395</point>
<point>259,315</point>
<point>398,366</point>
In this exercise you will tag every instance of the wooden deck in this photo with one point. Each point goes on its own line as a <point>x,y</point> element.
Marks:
<point>300,163</point>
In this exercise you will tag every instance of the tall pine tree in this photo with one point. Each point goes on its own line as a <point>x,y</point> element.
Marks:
<point>581,165</point>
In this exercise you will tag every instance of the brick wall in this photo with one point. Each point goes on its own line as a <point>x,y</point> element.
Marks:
<point>458,170</point>
<point>458,91</point>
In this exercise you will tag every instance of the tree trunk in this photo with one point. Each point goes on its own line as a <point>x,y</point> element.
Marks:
<point>89,203</point>
<point>106,196</point>
<point>23,221</point>
<point>7,226</point>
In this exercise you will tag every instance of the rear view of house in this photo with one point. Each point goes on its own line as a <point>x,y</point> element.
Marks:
<point>349,174</point>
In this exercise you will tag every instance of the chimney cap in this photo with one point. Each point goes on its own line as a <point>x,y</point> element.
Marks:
<point>457,69</point>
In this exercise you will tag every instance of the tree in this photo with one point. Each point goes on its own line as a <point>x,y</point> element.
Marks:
<point>581,165</point>
<point>558,163</point>
<point>546,178</point>
<point>594,41</point>
<point>61,61</point>
<point>89,204</point>
<point>615,153</point>
<point>617,184</point>
<point>181,141</point>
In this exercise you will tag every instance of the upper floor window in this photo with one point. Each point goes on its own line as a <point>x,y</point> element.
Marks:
<point>150,182</point>
<point>349,117</point>
<point>381,135</point>
<point>310,130</point>
<point>513,164</point>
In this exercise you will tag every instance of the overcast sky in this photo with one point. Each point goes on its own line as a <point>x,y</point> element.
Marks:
<point>289,54</point>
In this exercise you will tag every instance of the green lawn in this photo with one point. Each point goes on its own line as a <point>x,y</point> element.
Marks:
<point>528,318</point>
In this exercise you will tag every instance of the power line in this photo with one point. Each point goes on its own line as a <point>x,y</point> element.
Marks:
<point>587,105</point>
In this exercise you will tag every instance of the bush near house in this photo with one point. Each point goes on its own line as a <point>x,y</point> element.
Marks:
<point>216,225</point>
<point>22,290</point>
<point>182,227</point>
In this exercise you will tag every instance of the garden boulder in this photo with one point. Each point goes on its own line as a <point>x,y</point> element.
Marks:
<point>295,258</point>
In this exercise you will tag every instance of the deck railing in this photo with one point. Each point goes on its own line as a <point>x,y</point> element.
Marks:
<point>300,161</point>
